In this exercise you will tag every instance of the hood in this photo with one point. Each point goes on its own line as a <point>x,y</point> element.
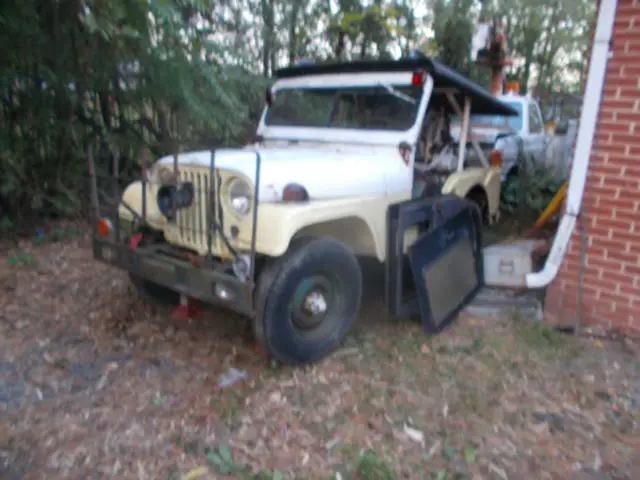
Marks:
<point>482,133</point>
<point>324,172</point>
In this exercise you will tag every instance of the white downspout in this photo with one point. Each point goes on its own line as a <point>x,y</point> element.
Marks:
<point>584,142</point>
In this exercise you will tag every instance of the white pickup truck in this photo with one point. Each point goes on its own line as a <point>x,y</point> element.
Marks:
<point>502,133</point>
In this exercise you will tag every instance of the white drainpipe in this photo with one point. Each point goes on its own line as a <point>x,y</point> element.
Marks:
<point>588,119</point>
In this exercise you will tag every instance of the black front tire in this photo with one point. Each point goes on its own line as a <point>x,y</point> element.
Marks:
<point>314,273</point>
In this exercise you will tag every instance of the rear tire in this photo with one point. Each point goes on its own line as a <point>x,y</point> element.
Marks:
<point>478,196</point>
<point>307,300</point>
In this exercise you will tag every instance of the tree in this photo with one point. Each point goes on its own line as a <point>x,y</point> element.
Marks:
<point>123,71</point>
<point>179,74</point>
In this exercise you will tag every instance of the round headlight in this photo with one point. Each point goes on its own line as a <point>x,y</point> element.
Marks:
<point>240,196</point>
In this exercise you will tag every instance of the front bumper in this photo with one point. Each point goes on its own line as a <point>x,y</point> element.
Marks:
<point>203,283</point>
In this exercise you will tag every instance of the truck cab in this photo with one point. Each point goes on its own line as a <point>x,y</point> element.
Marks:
<point>507,135</point>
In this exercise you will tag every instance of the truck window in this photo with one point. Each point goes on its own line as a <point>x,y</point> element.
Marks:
<point>513,122</point>
<point>535,121</point>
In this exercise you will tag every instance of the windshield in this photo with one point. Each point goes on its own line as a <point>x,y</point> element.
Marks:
<point>383,107</point>
<point>498,121</point>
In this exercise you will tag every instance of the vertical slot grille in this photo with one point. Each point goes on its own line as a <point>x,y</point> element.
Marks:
<point>192,221</point>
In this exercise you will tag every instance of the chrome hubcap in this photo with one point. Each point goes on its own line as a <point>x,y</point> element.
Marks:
<point>315,303</point>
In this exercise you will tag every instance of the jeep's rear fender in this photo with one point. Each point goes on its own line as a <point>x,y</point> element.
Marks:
<point>359,223</point>
<point>461,183</point>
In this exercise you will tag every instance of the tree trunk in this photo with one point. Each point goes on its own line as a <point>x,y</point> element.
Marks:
<point>267,36</point>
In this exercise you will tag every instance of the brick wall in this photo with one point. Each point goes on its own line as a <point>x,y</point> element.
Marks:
<point>611,205</point>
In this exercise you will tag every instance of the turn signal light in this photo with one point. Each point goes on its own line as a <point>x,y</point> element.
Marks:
<point>103,227</point>
<point>294,193</point>
<point>495,158</point>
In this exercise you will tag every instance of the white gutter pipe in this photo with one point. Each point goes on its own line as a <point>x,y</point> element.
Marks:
<point>582,154</point>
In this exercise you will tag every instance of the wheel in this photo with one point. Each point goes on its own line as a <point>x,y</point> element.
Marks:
<point>479,197</point>
<point>155,293</point>
<point>307,300</point>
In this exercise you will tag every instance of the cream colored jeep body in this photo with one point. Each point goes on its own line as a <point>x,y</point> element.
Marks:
<point>337,145</point>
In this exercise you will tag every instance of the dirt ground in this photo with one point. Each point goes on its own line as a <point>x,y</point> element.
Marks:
<point>95,383</point>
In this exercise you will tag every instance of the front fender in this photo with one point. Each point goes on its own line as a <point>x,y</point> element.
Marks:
<point>461,183</point>
<point>132,197</point>
<point>357,222</point>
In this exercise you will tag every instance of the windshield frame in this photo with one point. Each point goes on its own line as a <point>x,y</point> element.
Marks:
<point>346,107</point>
<point>335,134</point>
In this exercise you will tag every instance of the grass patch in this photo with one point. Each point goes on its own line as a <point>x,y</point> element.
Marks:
<point>538,336</point>
<point>21,257</point>
<point>368,465</point>
<point>230,408</point>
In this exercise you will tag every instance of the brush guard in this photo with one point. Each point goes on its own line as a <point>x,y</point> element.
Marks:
<point>136,250</point>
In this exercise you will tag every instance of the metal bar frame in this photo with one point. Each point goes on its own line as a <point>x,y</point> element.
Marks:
<point>465,117</point>
<point>95,203</point>
<point>212,267</point>
<point>256,199</point>
<point>116,184</point>
<point>210,212</point>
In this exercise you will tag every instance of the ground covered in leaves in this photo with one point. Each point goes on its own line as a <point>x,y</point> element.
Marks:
<point>95,383</point>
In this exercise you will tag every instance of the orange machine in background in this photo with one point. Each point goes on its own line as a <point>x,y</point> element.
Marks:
<point>495,53</point>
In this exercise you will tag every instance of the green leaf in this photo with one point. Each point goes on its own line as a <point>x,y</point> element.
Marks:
<point>214,459</point>
<point>449,453</point>
<point>441,475</point>
<point>277,475</point>
<point>225,454</point>
<point>469,454</point>
<point>222,466</point>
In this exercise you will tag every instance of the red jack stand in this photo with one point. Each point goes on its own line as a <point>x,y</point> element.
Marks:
<point>134,240</point>
<point>187,310</point>
<point>260,351</point>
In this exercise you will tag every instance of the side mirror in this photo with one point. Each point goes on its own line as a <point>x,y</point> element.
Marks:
<point>561,128</point>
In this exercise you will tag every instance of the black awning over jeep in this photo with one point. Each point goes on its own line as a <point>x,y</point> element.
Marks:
<point>482,101</point>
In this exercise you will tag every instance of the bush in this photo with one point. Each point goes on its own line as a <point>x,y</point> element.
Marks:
<point>107,74</point>
<point>530,190</point>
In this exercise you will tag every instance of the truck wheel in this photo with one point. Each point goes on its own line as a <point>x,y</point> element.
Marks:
<point>154,293</point>
<point>307,300</point>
